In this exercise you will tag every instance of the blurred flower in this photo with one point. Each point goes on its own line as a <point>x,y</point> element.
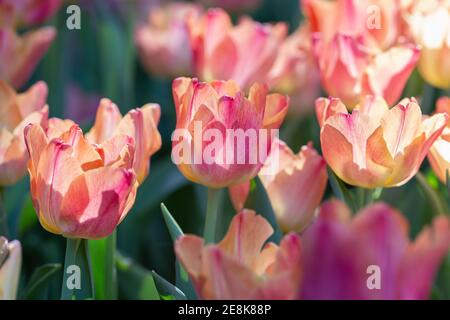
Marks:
<point>295,71</point>
<point>21,54</point>
<point>10,265</point>
<point>375,146</point>
<point>79,105</point>
<point>439,155</point>
<point>79,190</point>
<point>340,254</point>
<point>244,53</point>
<point>238,6</point>
<point>163,43</point>
<point>296,186</point>
<point>350,70</point>
<point>27,12</point>
<point>377,21</point>
<point>17,111</point>
<point>238,130</point>
<point>239,267</point>
<point>429,25</point>
<point>238,194</point>
<point>141,124</point>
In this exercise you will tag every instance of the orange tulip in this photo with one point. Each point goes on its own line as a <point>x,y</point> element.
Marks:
<point>16,111</point>
<point>349,70</point>
<point>375,146</point>
<point>239,267</point>
<point>378,21</point>
<point>80,190</point>
<point>439,155</point>
<point>223,137</point>
<point>163,43</point>
<point>10,265</point>
<point>140,124</point>
<point>244,53</point>
<point>429,26</point>
<point>20,54</point>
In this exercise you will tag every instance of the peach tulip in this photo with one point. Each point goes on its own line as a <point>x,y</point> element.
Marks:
<point>375,146</point>
<point>141,124</point>
<point>439,155</point>
<point>27,12</point>
<point>350,70</point>
<point>222,136</point>
<point>10,265</point>
<point>239,267</point>
<point>370,255</point>
<point>16,111</point>
<point>21,54</point>
<point>429,26</point>
<point>163,43</point>
<point>244,53</point>
<point>80,190</point>
<point>378,21</point>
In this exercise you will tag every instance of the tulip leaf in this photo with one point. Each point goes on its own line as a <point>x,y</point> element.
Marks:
<point>438,206</point>
<point>135,282</point>
<point>340,190</point>
<point>173,227</point>
<point>38,284</point>
<point>167,290</point>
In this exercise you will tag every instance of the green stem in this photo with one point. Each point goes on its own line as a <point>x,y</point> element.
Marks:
<point>77,279</point>
<point>431,194</point>
<point>111,271</point>
<point>214,196</point>
<point>3,215</point>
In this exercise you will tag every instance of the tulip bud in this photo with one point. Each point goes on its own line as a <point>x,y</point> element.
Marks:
<point>10,264</point>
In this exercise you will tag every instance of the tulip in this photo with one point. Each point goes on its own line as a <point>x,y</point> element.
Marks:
<point>27,12</point>
<point>163,43</point>
<point>370,255</point>
<point>10,264</point>
<point>349,70</point>
<point>378,21</point>
<point>16,111</point>
<point>295,184</point>
<point>80,190</point>
<point>239,267</point>
<point>375,146</point>
<point>429,26</point>
<point>21,54</point>
<point>140,124</point>
<point>223,137</point>
<point>439,155</point>
<point>244,53</point>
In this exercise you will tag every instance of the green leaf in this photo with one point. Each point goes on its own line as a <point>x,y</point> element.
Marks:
<point>166,289</point>
<point>173,227</point>
<point>27,217</point>
<point>135,282</point>
<point>438,206</point>
<point>37,286</point>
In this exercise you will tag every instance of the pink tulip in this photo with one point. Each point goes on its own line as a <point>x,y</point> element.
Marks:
<point>241,266</point>
<point>27,12</point>
<point>375,146</point>
<point>370,255</point>
<point>17,111</point>
<point>21,54</point>
<point>10,265</point>
<point>223,137</point>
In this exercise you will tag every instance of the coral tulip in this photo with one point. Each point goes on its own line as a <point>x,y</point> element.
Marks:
<point>10,265</point>
<point>375,146</point>
<point>239,267</point>
<point>17,111</point>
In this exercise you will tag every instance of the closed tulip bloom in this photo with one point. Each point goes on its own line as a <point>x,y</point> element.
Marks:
<point>163,42</point>
<point>241,266</point>
<point>439,155</point>
<point>17,111</point>
<point>370,255</point>
<point>375,146</point>
<point>378,21</point>
<point>244,53</point>
<point>10,265</point>
<point>429,25</point>
<point>223,137</point>
<point>141,124</point>
<point>349,70</point>
<point>21,54</point>
<point>295,184</point>
<point>80,190</point>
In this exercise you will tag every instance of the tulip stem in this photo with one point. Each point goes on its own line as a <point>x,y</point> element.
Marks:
<point>212,209</point>
<point>111,271</point>
<point>77,279</point>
